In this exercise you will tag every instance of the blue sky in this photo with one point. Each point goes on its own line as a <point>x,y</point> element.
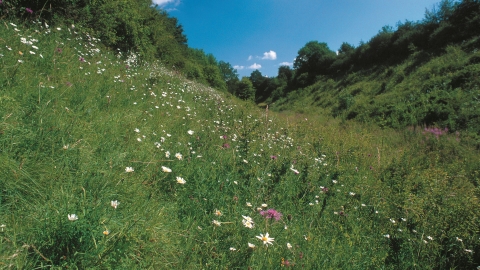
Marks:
<point>264,34</point>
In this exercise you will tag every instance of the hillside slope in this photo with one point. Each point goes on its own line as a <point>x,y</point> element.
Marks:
<point>112,163</point>
<point>428,90</point>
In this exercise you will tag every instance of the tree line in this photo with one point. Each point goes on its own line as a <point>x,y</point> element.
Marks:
<point>137,26</point>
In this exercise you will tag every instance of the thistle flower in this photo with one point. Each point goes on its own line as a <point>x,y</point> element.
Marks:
<point>271,213</point>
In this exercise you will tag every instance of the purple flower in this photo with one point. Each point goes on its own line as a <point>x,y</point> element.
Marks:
<point>273,157</point>
<point>226,145</point>
<point>271,213</point>
<point>29,10</point>
<point>81,59</point>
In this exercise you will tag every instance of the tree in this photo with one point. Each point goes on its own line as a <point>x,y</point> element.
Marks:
<point>285,73</point>
<point>346,48</point>
<point>245,89</point>
<point>257,79</point>
<point>228,72</point>
<point>230,76</point>
<point>314,59</point>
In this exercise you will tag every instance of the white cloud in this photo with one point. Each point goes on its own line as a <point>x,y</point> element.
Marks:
<point>249,58</point>
<point>286,64</point>
<point>237,67</point>
<point>164,2</point>
<point>271,55</point>
<point>255,66</point>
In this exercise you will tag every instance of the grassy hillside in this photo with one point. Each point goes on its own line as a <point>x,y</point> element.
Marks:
<point>108,162</point>
<point>423,73</point>
<point>441,90</point>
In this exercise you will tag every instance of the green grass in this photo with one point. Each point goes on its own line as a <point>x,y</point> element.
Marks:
<point>74,116</point>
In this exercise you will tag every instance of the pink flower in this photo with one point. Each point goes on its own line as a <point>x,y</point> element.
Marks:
<point>29,10</point>
<point>271,213</point>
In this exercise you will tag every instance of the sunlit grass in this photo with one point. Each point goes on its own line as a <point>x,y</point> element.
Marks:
<point>113,163</point>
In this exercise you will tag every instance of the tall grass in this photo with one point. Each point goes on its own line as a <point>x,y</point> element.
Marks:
<point>112,163</point>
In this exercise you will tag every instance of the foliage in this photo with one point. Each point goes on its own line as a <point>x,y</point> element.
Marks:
<point>245,89</point>
<point>134,26</point>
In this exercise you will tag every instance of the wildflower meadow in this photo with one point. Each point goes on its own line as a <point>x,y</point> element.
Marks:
<point>109,162</point>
